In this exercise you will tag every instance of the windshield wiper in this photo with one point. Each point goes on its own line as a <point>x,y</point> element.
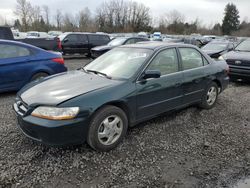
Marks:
<point>97,72</point>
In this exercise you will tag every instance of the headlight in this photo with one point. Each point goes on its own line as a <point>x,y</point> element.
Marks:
<point>55,113</point>
<point>221,58</point>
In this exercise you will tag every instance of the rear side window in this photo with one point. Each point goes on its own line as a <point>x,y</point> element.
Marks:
<point>191,58</point>
<point>140,40</point>
<point>83,38</point>
<point>72,38</point>
<point>103,38</point>
<point>11,51</point>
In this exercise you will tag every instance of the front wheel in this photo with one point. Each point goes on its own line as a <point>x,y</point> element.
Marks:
<point>210,97</point>
<point>107,128</point>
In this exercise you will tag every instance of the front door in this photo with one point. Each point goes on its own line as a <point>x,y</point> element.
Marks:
<point>155,96</point>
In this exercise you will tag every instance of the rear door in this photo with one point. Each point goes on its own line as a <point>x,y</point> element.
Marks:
<point>14,66</point>
<point>155,96</point>
<point>196,74</point>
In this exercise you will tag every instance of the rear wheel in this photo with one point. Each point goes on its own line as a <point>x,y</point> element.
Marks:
<point>210,97</point>
<point>39,75</point>
<point>107,128</point>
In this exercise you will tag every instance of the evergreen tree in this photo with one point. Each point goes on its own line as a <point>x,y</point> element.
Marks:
<point>231,20</point>
<point>17,24</point>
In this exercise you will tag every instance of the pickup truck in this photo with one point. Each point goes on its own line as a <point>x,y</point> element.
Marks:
<point>52,44</point>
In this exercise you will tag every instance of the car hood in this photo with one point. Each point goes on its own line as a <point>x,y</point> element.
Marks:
<point>101,48</point>
<point>237,55</point>
<point>56,89</point>
<point>211,52</point>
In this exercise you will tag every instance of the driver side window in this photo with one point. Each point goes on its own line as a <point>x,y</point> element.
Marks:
<point>166,62</point>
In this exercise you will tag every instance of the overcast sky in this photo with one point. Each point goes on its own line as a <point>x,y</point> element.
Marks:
<point>208,11</point>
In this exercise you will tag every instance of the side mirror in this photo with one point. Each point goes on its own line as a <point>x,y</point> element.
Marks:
<point>65,40</point>
<point>151,74</point>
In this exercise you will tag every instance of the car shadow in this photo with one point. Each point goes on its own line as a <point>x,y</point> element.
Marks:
<point>8,94</point>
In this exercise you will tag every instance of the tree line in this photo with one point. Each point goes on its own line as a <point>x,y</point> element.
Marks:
<point>123,16</point>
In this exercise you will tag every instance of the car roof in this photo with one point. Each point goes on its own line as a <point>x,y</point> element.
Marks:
<point>155,45</point>
<point>19,43</point>
<point>86,33</point>
<point>135,37</point>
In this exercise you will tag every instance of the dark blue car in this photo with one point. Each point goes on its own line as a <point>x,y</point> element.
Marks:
<point>21,63</point>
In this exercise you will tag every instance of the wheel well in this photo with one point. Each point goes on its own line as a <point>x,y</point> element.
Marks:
<point>218,84</point>
<point>120,105</point>
<point>38,73</point>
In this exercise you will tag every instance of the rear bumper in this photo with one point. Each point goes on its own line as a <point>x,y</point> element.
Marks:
<point>54,133</point>
<point>224,83</point>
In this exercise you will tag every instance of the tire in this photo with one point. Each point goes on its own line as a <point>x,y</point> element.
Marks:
<point>89,55</point>
<point>39,75</point>
<point>104,133</point>
<point>209,100</point>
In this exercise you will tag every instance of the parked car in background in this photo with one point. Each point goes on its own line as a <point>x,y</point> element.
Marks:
<point>6,33</point>
<point>216,48</point>
<point>157,35</point>
<point>36,34</point>
<point>52,44</point>
<point>54,33</point>
<point>81,43</point>
<point>21,63</point>
<point>99,50</point>
<point>121,88</point>
<point>239,61</point>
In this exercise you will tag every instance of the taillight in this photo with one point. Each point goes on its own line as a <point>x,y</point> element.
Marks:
<point>227,69</point>
<point>59,44</point>
<point>58,60</point>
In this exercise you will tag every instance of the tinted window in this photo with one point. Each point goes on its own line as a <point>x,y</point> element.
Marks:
<point>98,38</point>
<point>166,62</point>
<point>139,40</point>
<point>83,38</point>
<point>72,38</point>
<point>191,58</point>
<point>10,51</point>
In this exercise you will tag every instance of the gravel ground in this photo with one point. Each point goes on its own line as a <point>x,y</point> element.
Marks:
<point>189,148</point>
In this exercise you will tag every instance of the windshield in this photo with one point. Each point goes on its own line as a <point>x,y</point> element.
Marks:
<point>244,46</point>
<point>120,63</point>
<point>215,46</point>
<point>117,42</point>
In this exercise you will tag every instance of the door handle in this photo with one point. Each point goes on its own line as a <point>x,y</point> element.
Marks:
<point>177,85</point>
